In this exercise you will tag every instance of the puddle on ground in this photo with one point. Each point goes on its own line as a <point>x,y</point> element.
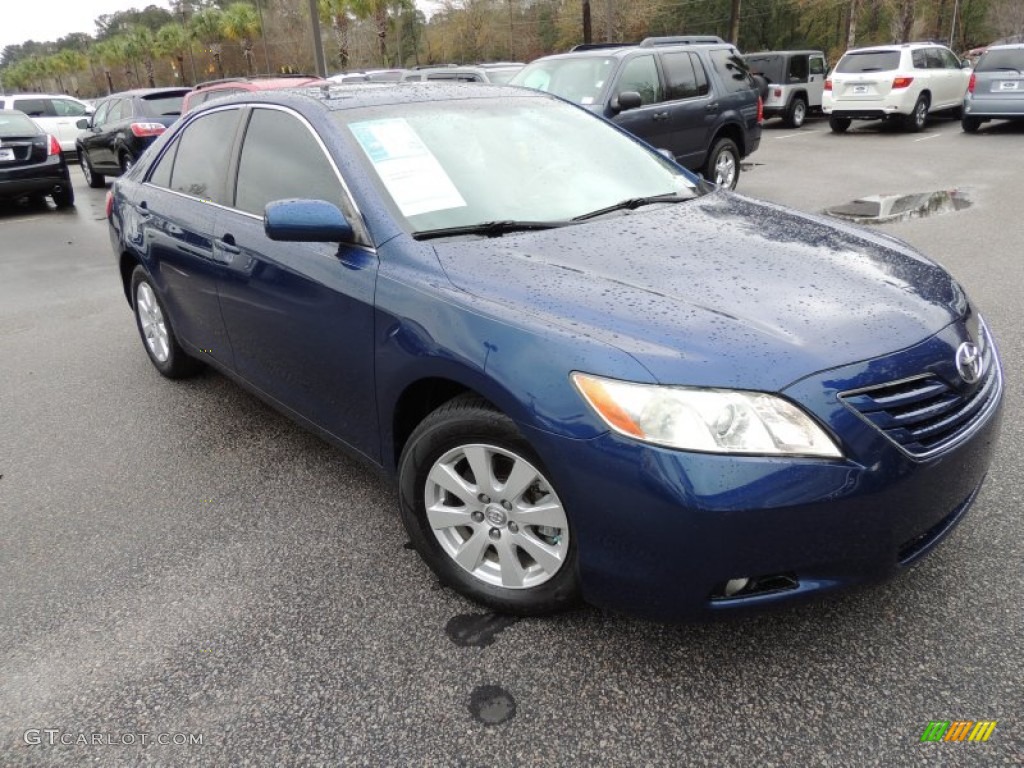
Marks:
<point>880,209</point>
<point>477,629</point>
<point>492,705</point>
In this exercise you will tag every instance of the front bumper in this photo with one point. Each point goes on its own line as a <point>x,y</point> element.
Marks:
<point>659,532</point>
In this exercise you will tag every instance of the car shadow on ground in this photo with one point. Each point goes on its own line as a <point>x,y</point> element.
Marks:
<point>26,207</point>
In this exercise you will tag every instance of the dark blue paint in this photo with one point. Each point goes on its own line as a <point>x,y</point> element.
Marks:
<point>721,291</point>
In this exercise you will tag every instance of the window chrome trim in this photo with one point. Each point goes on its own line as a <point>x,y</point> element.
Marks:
<point>361,231</point>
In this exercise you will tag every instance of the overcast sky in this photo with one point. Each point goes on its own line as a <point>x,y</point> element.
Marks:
<point>43,20</point>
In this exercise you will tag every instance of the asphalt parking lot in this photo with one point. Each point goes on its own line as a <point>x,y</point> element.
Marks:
<point>177,560</point>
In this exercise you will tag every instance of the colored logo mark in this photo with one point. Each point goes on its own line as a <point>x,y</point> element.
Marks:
<point>958,730</point>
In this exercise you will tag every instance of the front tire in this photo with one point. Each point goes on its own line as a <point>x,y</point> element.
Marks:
<point>915,121</point>
<point>839,124</point>
<point>155,329</point>
<point>93,179</point>
<point>723,166</point>
<point>797,112</point>
<point>481,510</point>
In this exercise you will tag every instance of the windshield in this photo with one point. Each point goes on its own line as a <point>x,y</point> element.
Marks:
<point>15,124</point>
<point>447,164</point>
<point>1002,59</point>
<point>579,79</point>
<point>869,61</point>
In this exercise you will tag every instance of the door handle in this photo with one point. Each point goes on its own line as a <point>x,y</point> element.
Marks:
<point>712,107</point>
<point>227,244</point>
<point>143,210</point>
<point>660,115</point>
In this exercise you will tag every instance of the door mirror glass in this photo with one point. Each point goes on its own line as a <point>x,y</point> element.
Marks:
<point>306,221</point>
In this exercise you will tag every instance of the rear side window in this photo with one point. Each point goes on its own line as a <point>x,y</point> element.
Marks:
<point>280,160</point>
<point>201,163</point>
<point>35,107</point>
<point>872,61</point>
<point>732,69</point>
<point>641,75</point>
<point>1006,59</point>
<point>680,76</point>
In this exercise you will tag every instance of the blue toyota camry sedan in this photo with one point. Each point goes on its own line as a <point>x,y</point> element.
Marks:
<point>591,374</point>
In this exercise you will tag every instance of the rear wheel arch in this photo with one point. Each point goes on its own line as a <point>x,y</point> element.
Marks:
<point>126,266</point>
<point>731,131</point>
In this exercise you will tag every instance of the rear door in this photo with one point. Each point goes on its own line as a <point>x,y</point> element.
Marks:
<point>300,315</point>
<point>176,210</point>
<point>687,101</point>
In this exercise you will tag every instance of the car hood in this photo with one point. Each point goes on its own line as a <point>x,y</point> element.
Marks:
<point>719,291</point>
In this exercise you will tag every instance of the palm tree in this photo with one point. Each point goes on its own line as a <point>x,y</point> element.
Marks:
<point>336,13</point>
<point>71,62</point>
<point>108,55</point>
<point>207,27</point>
<point>172,42</point>
<point>378,11</point>
<point>240,24</point>
<point>142,43</point>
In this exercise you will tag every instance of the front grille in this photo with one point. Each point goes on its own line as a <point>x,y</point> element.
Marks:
<point>925,414</point>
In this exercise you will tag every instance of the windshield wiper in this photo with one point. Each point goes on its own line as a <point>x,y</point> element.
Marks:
<point>489,228</point>
<point>633,203</point>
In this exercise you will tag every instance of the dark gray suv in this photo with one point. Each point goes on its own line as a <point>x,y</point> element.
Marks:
<point>691,96</point>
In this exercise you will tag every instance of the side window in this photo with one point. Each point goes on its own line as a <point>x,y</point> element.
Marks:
<point>798,69</point>
<point>67,108</point>
<point>680,79</point>
<point>934,59</point>
<point>919,59</point>
<point>641,75</point>
<point>35,107</point>
<point>281,159</point>
<point>201,163</point>
<point>732,69</point>
<point>949,59</point>
<point>817,65</point>
<point>116,111</point>
<point>161,173</point>
<point>702,76</point>
<point>100,117</point>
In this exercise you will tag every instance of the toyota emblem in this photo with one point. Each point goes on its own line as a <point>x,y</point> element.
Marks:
<point>969,364</point>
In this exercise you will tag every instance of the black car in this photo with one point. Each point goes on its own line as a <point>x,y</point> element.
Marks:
<point>31,164</point>
<point>122,127</point>
<point>694,97</point>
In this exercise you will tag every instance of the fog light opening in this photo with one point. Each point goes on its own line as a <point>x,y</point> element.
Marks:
<point>744,586</point>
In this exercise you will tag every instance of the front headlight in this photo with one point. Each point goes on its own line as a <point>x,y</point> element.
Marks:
<point>709,420</point>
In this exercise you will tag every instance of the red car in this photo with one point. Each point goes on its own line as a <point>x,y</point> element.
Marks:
<point>213,89</point>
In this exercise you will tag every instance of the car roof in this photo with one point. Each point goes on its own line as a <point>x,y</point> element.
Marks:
<point>148,92</point>
<point>39,96</point>
<point>268,81</point>
<point>621,51</point>
<point>897,47</point>
<point>808,52</point>
<point>332,97</point>
<point>1005,47</point>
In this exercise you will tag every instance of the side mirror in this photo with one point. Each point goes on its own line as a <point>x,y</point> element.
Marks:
<point>306,221</point>
<point>83,123</point>
<point>627,100</point>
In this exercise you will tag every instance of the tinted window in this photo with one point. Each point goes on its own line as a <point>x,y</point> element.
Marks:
<point>163,105</point>
<point>641,75</point>
<point>732,69</point>
<point>35,107</point>
<point>870,61</point>
<point>281,159</point>
<point>798,70</point>
<point>680,79</point>
<point>201,165</point>
<point>68,108</point>
<point>817,65</point>
<point>1007,58</point>
<point>702,76</point>
<point>161,174</point>
<point>934,58</point>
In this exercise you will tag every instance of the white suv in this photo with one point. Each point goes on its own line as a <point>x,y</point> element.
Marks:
<point>895,82</point>
<point>57,114</point>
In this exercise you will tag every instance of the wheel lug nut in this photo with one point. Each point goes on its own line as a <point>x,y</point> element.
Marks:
<point>484,498</point>
<point>495,534</point>
<point>513,528</point>
<point>478,516</point>
<point>506,504</point>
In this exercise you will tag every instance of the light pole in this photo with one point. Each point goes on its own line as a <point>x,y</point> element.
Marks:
<point>263,32</point>
<point>952,27</point>
<point>318,43</point>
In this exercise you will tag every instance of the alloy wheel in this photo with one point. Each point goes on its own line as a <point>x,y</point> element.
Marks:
<point>154,328</point>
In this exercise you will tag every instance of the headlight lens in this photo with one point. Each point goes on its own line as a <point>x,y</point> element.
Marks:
<point>709,420</point>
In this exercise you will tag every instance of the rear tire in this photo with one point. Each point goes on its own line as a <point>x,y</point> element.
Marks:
<point>93,179</point>
<point>126,164</point>
<point>970,124</point>
<point>797,112</point>
<point>723,166</point>
<point>839,124</point>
